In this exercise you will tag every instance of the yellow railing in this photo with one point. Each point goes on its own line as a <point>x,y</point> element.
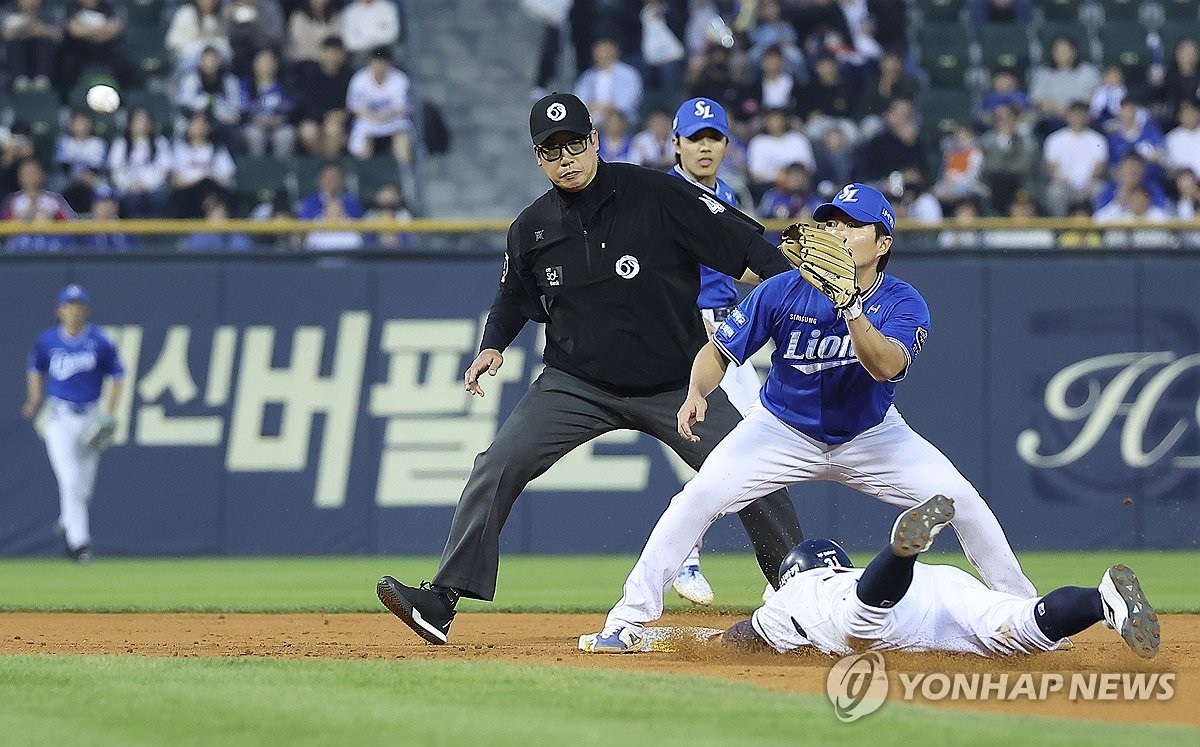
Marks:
<point>469,225</point>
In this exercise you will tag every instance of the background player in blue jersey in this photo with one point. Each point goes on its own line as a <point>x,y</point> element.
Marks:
<point>701,136</point>
<point>827,414</point>
<point>67,367</point>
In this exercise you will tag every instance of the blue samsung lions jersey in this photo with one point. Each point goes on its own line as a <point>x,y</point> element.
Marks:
<point>816,384</point>
<point>75,367</point>
<point>717,290</point>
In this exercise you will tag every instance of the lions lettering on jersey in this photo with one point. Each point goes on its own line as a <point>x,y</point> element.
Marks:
<point>816,383</point>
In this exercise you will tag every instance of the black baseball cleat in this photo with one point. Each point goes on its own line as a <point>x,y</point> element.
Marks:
<point>424,610</point>
<point>915,529</point>
<point>81,555</point>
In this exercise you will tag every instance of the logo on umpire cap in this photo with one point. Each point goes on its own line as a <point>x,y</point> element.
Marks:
<point>857,686</point>
<point>556,112</point>
<point>628,267</point>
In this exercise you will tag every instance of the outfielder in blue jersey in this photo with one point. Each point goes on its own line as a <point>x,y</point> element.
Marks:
<point>701,137</point>
<point>827,414</point>
<point>67,368</point>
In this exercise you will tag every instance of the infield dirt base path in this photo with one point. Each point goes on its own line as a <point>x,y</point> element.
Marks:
<point>551,640</point>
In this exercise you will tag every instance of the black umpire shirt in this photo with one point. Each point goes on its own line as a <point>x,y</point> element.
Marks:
<point>614,271</point>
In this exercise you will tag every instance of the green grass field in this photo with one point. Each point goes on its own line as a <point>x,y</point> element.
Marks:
<point>131,700</point>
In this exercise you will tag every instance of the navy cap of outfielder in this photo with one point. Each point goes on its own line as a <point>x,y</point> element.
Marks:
<point>74,294</point>
<point>697,114</point>
<point>862,203</point>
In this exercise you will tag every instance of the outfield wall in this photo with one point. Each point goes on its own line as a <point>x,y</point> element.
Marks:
<point>306,405</point>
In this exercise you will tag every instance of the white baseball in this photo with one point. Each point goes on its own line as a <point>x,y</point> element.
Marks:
<point>103,99</point>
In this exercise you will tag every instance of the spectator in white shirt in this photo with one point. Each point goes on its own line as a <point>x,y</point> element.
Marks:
<point>1075,158</point>
<point>195,26</point>
<point>310,25</point>
<point>770,152</point>
<point>201,168</point>
<point>1183,142</point>
<point>80,156</point>
<point>654,147</point>
<point>1132,205</point>
<point>139,165</point>
<point>609,83</point>
<point>367,24</point>
<point>378,99</point>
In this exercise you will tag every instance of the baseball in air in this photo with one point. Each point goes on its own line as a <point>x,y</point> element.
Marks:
<point>103,99</point>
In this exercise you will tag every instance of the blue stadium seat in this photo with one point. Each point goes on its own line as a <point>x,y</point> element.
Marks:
<point>945,54</point>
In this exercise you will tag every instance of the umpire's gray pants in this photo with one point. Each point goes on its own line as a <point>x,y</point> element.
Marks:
<point>558,413</point>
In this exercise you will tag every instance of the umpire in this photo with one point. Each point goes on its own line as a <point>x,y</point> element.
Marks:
<point>609,259</point>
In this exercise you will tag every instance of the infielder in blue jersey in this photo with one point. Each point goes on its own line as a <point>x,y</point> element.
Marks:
<point>701,137</point>
<point>67,367</point>
<point>826,413</point>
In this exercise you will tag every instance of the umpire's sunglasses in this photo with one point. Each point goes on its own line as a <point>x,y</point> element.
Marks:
<point>574,147</point>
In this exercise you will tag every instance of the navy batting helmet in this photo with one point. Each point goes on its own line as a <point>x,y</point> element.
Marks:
<point>810,554</point>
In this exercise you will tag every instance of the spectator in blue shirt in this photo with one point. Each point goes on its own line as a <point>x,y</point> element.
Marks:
<point>216,211</point>
<point>106,207</point>
<point>266,108</point>
<point>793,198</point>
<point>331,185</point>
<point>1133,130</point>
<point>1132,172</point>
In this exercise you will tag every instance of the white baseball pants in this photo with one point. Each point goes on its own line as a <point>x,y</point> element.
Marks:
<point>74,466</point>
<point>890,462</point>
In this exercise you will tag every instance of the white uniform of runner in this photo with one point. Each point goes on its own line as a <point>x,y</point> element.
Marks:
<point>945,609</point>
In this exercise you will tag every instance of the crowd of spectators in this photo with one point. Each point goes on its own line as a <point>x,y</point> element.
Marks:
<point>244,80</point>
<point>821,92</point>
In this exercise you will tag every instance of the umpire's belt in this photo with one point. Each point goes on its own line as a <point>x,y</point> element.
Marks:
<point>719,314</point>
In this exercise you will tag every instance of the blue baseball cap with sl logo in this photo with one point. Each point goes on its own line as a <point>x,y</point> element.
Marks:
<point>74,294</point>
<point>860,202</point>
<point>700,113</point>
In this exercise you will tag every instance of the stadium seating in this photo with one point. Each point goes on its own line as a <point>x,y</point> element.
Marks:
<point>1121,10</point>
<point>1061,10</point>
<point>1004,45</point>
<point>373,173</point>
<point>945,54</point>
<point>940,11</point>
<point>1124,44</point>
<point>159,105</point>
<point>39,108</point>
<point>1184,11</point>
<point>942,110</point>
<point>148,13</point>
<point>144,46</point>
<point>260,179</point>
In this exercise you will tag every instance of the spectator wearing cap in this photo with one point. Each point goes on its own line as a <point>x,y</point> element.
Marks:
<point>80,156</point>
<point>368,24</point>
<point>139,166</point>
<point>378,99</point>
<point>770,151</point>
<point>253,25</point>
<point>31,38</point>
<point>1183,142</point>
<point>105,207</point>
<point>1074,159</point>
<point>34,204</point>
<point>310,25</point>
<point>609,83</point>
<point>321,108</point>
<point>195,26</point>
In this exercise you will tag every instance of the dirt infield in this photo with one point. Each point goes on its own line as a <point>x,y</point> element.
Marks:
<point>551,639</point>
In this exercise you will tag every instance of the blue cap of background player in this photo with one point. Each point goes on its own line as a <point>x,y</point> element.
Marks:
<point>860,202</point>
<point>74,294</point>
<point>694,115</point>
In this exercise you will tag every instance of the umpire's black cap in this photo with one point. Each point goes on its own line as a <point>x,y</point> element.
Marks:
<point>558,112</point>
